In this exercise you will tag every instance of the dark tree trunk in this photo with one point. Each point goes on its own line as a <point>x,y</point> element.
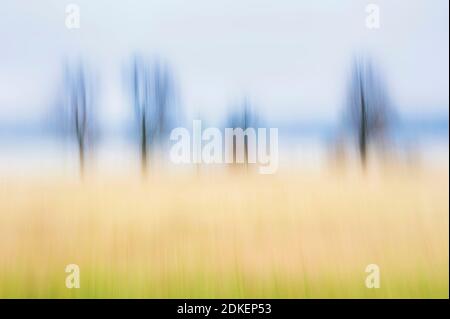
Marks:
<point>363,129</point>
<point>81,156</point>
<point>143,146</point>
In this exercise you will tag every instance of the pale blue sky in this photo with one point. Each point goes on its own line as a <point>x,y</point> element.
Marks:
<point>291,57</point>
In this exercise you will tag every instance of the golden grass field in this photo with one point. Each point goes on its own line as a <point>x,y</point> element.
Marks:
<point>302,235</point>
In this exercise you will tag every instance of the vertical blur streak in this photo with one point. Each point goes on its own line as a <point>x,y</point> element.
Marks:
<point>369,114</point>
<point>152,96</point>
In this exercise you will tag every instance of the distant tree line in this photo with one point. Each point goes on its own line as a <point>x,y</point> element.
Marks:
<point>368,112</point>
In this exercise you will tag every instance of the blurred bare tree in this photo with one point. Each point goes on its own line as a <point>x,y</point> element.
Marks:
<point>79,108</point>
<point>152,91</point>
<point>71,115</point>
<point>243,117</point>
<point>369,112</point>
<point>78,104</point>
